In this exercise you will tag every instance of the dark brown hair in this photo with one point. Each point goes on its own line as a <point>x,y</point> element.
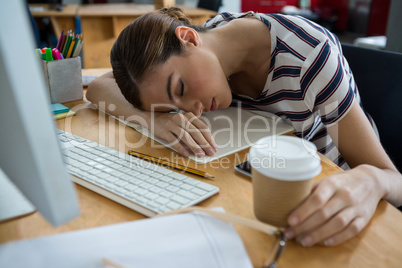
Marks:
<point>145,42</point>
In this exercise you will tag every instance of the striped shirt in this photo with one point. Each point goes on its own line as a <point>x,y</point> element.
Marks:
<point>310,84</point>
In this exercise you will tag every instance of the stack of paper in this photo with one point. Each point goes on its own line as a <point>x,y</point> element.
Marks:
<point>180,241</point>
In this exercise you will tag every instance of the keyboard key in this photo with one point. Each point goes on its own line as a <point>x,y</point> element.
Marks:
<point>111,179</point>
<point>162,184</point>
<point>130,187</point>
<point>120,190</point>
<point>198,191</point>
<point>162,200</point>
<point>151,196</point>
<point>153,204</point>
<point>120,183</point>
<point>155,189</point>
<point>110,185</point>
<point>165,179</point>
<point>140,191</point>
<point>206,187</point>
<point>176,183</point>
<point>146,171</point>
<point>186,186</point>
<point>156,175</point>
<point>145,185</point>
<point>180,200</point>
<point>135,181</point>
<point>166,194</point>
<point>152,180</point>
<point>142,177</point>
<point>103,175</point>
<point>177,176</point>
<point>191,181</point>
<point>173,205</point>
<point>164,171</point>
<point>187,194</point>
<point>172,188</point>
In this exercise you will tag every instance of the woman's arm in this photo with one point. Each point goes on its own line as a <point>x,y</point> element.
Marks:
<point>106,95</point>
<point>192,132</point>
<point>340,206</point>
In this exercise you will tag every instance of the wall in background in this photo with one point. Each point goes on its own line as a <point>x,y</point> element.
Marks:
<point>394,37</point>
<point>228,5</point>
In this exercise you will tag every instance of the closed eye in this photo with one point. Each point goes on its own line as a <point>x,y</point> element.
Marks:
<point>182,88</point>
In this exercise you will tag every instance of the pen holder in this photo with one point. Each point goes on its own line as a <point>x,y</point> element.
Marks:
<point>63,79</point>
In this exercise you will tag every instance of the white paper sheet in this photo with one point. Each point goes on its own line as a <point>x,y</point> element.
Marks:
<point>187,240</point>
<point>233,130</point>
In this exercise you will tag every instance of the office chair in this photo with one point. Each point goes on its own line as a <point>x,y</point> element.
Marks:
<point>210,4</point>
<point>378,75</point>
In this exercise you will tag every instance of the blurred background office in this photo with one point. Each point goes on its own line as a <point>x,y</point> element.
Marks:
<point>369,23</point>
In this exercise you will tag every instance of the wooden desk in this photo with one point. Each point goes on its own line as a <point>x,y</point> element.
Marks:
<point>102,24</point>
<point>60,20</point>
<point>378,245</point>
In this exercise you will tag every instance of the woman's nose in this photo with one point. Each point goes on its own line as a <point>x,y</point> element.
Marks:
<point>198,107</point>
<point>195,107</point>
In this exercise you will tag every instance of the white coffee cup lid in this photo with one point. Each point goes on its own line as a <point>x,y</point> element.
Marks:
<point>285,158</point>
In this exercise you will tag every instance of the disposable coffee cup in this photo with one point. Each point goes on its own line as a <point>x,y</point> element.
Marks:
<point>283,169</point>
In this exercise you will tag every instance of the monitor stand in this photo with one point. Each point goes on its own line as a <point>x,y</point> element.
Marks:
<point>13,203</point>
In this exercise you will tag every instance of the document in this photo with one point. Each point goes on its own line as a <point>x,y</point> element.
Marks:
<point>193,240</point>
<point>233,130</point>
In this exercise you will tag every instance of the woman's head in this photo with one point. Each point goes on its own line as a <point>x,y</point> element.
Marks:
<point>146,42</point>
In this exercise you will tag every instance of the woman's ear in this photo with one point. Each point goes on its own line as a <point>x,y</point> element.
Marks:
<point>188,35</point>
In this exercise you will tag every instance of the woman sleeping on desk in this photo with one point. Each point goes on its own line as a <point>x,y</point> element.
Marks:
<point>285,65</point>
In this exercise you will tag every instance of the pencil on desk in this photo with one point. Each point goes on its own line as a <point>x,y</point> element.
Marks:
<point>170,164</point>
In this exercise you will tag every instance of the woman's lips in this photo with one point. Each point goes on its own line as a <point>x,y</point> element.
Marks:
<point>213,105</point>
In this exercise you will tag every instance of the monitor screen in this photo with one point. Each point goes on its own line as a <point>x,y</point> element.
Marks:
<point>30,154</point>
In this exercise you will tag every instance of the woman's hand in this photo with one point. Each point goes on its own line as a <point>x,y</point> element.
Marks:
<point>341,205</point>
<point>338,208</point>
<point>185,132</point>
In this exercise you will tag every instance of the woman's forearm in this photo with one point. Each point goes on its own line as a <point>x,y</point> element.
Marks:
<point>106,95</point>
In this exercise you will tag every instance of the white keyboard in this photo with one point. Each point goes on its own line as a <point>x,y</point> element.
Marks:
<point>140,185</point>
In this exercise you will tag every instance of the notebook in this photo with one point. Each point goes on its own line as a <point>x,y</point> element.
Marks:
<point>233,130</point>
<point>178,241</point>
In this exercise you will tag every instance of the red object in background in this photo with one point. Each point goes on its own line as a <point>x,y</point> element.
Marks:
<point>266,6</point>
<point>327,8</point>
<point>378,17</point>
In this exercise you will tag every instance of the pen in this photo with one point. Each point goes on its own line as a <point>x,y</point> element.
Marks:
<point>38,53</point>
<point>48,53</point>
<point>60,40</point>
<point>170,164</point>
<point>43,55</point>
<point>56,54</point>
<point>63,42</point>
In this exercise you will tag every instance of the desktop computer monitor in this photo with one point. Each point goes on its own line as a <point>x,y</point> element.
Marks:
<point>29,151</point>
